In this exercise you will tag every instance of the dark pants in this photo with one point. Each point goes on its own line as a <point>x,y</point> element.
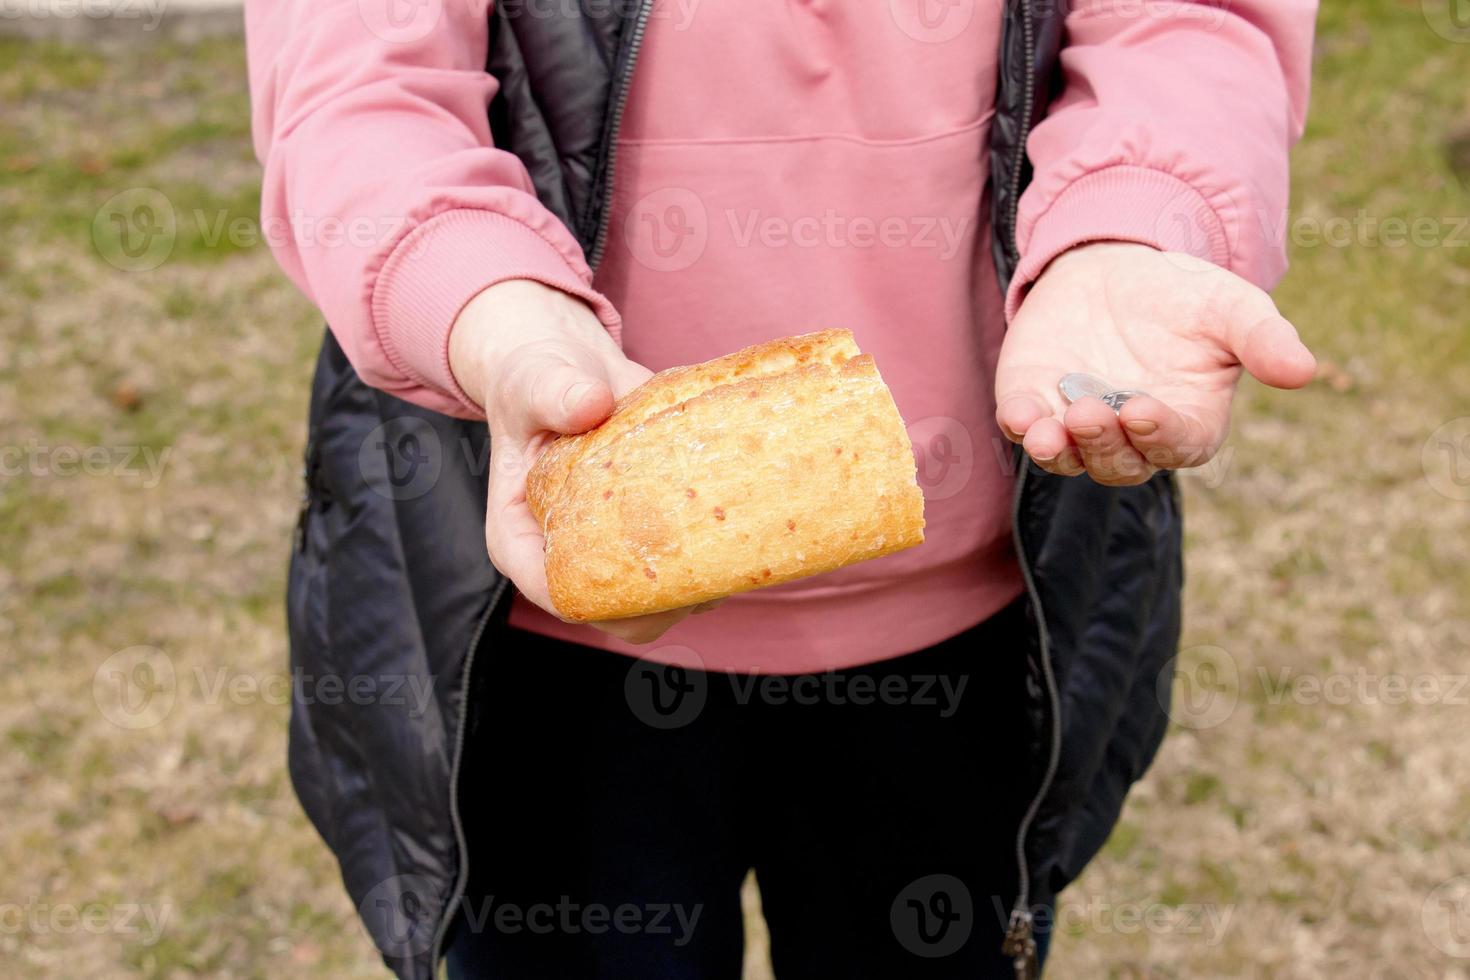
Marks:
<point>613,808</point>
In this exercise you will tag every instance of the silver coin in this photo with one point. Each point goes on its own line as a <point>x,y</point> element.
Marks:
<point>1117,399</point>
<point>1077,386</point>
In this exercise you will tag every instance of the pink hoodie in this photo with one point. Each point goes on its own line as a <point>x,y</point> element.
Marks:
<point>783,167</point>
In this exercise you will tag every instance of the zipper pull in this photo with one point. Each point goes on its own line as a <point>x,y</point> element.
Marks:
<point>1020,945</point>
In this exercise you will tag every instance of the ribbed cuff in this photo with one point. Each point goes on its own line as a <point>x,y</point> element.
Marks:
<point>443,264</point>
<point>1124,204</point>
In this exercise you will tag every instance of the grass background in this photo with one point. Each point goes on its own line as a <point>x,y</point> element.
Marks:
<point>1328,547</point>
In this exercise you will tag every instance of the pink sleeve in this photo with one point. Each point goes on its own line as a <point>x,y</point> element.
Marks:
<point>1172,129</point>
<point>385,200</point>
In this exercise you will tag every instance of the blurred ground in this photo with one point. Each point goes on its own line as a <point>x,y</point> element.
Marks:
<point>1309,815</point>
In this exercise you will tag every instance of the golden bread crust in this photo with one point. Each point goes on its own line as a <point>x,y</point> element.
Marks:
<point>779,461</point>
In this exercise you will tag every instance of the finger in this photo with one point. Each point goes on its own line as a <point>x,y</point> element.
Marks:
<point>518,550</point>
<point>1109,457</point>
<point>513,536</point>
<point>626,375</point>
<point>566,398</point>
<point>1048,443</point>
<point>1166,438</point>
<point>1017,413</point>
<point>643,629</point>
<point>1265,342</point>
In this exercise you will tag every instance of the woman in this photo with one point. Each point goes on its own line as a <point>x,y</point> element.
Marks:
<point>545,202</point>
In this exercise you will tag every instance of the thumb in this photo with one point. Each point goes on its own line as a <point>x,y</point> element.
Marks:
<point>1275,355</point>
<point>1265,342</point>
<point>567,399</point>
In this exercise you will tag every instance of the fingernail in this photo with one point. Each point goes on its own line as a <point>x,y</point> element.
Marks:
<point>1143,427</point>
<point>1087,431</point>
<point>575,394</point>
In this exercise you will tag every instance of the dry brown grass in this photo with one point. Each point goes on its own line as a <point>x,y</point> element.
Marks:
<point>1323,547</point>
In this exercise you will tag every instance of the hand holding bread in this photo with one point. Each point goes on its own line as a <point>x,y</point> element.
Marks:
<point>779,461</point>
<point>541,364</point>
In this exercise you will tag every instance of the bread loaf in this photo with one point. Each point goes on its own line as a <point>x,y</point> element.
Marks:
<point>779,461</point>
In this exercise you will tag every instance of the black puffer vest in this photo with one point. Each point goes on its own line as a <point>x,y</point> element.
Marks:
<point>391,595</point>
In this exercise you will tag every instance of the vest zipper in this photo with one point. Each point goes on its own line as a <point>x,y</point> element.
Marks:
<point>462,880</point>
<point>625,82</point>
<point>1028,105</point>
<point>640,26</point>
<point>1020,939</point>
